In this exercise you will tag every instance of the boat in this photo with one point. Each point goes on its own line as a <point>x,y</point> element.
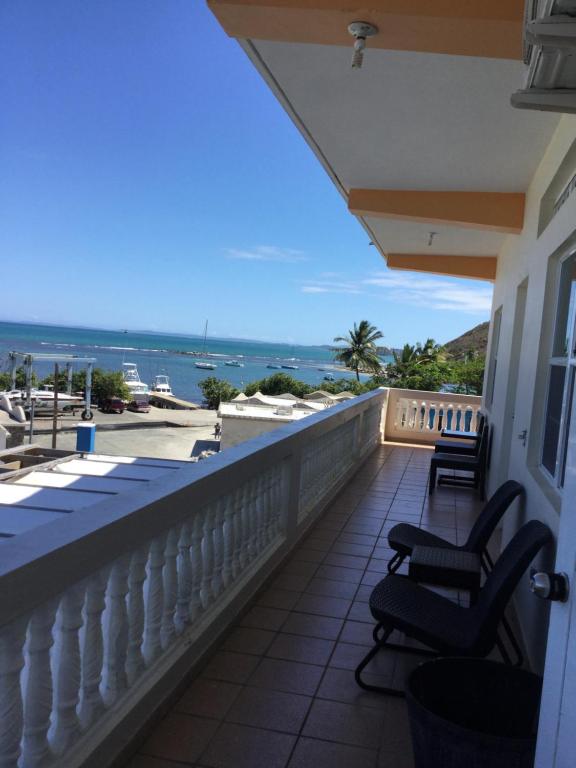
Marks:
<point>271,365</point>
<point>133,381</point>
<point>161,385</point>
<point>205,366</point>
<point>329,377</point>
<point>234,363</point>
<point>291,367</point>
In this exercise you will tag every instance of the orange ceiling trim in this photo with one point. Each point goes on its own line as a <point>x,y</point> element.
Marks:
<point>488,29</point>
<point>473,267</point>
<point>493,211</point>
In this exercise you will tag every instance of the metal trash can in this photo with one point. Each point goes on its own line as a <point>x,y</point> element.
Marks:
<point>473,713</point>
<point>85,437</point>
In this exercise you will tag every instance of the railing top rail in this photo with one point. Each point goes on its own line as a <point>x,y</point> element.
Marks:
<point>41,563</point>
<point>437,397</point>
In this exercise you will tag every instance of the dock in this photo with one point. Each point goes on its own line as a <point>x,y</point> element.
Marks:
<point>161,400</point>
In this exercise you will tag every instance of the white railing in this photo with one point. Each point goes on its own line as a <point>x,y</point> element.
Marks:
<point>421,416</point>
<point>104,612</point>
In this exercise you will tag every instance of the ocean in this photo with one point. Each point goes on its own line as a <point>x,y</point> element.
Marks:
<point>156,353</point>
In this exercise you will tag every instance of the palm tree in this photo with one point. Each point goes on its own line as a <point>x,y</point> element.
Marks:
<point>430,352</point>
<point>360,351</point>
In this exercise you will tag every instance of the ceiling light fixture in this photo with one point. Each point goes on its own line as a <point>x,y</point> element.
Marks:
<point>360,30</point>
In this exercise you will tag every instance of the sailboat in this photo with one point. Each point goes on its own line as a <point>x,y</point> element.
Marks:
<point>200,363</point>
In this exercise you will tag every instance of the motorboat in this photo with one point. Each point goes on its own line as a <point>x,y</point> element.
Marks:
<point>205,366</point>
<point>271,365</point>
<point>234,363</point>
<point>291,367</point>
<point>133,381</point>
<point>329,377</point>
<point>161,385</point>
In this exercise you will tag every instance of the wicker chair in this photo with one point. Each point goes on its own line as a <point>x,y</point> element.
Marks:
<point>448,629</point>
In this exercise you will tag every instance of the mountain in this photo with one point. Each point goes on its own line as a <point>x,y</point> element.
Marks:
<point>474,340</point>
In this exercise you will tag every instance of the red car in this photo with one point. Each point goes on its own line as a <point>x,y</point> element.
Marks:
<point>139,406</point>
<point>112,405</point>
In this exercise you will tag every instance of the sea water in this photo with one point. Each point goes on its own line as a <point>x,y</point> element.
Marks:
<point>156,353</point>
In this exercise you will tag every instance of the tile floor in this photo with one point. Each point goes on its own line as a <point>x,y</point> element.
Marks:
<point>280,690</point>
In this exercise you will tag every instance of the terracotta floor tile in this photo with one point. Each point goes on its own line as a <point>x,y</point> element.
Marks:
<point>323,606</point>
<point>344,723</point>
<point>311,650</point>
<point>288,676</point>
<point>346,548</point>
<point>180,737</point>
<point>275,710</point>
<point>240,746</point>
<point>340,685</point>
<point>331,588</point>
<point>279,598</point>
<point>339,573</point>
<point>312,753</point>
<point>345,561</point>
<point>208,698</point>
<point>308,625</point>
<point>262,617</point>
<point>248,640</point>
<point>232,667</point>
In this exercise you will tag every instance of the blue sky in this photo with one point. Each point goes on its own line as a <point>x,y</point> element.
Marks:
<point>150,180</point>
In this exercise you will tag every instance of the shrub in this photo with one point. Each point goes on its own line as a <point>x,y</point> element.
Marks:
<point>216,391</point>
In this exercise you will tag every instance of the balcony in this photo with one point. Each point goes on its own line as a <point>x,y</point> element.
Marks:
<point>229,596</point>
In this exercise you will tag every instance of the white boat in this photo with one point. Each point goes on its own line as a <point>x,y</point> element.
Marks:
<point>161,385</point>
<point>329,377</point>
<point>202,363</point>
<point>133,381</point>
<point>272,365</point>
<point>234,363</point>
<point>291,367</point>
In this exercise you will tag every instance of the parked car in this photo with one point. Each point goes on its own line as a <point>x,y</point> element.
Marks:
<point>112,405</point>
<point>139,406</point>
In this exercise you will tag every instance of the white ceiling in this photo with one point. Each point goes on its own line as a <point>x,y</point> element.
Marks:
<point>412,121</point>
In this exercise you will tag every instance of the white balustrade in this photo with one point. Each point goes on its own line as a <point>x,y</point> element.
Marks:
<point>89,644</point>
<point>421,416</point>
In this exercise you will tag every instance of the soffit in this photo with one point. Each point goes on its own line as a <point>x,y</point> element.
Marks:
<point>410,121</point>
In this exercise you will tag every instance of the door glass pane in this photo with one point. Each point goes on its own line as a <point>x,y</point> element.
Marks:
<point>553,414</point>
<point>570,400</point>
<point>566,309</point>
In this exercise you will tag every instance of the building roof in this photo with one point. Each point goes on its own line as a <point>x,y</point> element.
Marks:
<point>29,499</point>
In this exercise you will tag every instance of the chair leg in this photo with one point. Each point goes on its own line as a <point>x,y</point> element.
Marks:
<point>379,645</point>
<point>432,480</point>
<point>395,562</point>
<point>503,652</point>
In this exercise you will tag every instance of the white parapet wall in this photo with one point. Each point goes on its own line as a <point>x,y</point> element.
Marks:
<point>104,612</point>
<point>419,417</point>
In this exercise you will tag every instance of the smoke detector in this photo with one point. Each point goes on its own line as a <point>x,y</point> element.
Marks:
<point>360,30</point>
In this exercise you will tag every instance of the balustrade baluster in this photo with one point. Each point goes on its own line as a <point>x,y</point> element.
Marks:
<point>196,562</point>
<point>184,566</point>
<point>218,540</point>
<point>449,415</point>
<point>459,424</point>
<point>135,664</point>
<point>92,704</point>
<point>229,544</point>
<point>116,647</point>
<point>260,509</point>
<point>245,527</point>
<point>170,576</point>
<point>152,646</point>
<point>12,639</point>
<point>237,522</point>
<point>206,593</point>
<point>468,419</point>
<point>68,672</point>
<point>36,750</point>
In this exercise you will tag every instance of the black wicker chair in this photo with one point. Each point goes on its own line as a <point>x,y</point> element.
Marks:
<point>466,443</point>
<point>474,464</point>
<point>404,537</point>
<point>444,627</point>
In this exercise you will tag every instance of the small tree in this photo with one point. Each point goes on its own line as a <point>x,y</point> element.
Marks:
<point>360,352</point>
<point>6,379</point>
<point>216,391</point>
<point>107,384</point>
<point>278,384</point>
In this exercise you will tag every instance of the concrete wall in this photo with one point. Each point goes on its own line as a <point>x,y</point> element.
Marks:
<point>237,429</point>
<point>523,361</point>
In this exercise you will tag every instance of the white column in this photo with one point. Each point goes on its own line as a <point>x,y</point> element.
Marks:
<point>135,664</point>
<point>36,750</point>
<point>154,601</point>
<point>217,581</point>
<point>206,594</point>
<point>197,566</point>
<point>168,629</point>
<point>184,578</point>
<point>12,639</point>
<point>92,704</point>
<point>117,631</point>
<point>67,677</point>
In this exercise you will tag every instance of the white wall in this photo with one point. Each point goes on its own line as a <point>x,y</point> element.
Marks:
<point>236,429</point>
<point>528,256</point>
